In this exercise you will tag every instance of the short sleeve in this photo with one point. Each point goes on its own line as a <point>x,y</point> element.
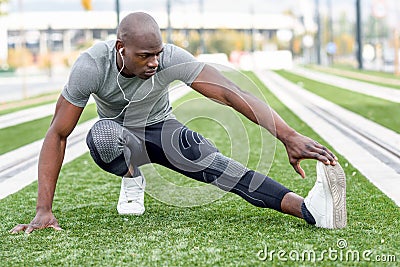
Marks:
<point>178,64</point>
<point>83,80</point>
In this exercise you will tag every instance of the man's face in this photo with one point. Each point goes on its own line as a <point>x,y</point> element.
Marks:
<point>141,57</point>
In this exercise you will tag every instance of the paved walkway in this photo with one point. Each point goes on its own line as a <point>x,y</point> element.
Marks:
<point>352,85</point>
<point>30,101</point>
<point>19,167</point>
<point>361,76</point>
<point>369,147</point>
<point>26,115</point>
<point>29,114</point>
<point>23,86</point>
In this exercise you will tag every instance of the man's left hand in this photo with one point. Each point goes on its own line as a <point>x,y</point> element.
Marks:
<point>300,147</point>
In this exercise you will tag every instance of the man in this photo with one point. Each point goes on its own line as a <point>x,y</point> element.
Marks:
<point>129,79</point>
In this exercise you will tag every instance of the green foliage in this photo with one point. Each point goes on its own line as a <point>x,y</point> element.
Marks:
<point>376,29</point>
<point>226,41</point>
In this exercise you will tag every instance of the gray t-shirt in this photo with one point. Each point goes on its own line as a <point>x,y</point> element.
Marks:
<point>95,73</point>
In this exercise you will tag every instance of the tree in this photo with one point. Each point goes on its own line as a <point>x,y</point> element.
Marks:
<point>225,41</point>
<point>345,36</point>
<point>376,29</point>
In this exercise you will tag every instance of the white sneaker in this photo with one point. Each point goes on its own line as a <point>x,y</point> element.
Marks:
<point>131,196</point>
<point>327,199</point>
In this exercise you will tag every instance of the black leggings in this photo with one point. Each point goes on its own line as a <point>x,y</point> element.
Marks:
<point>178,148</point>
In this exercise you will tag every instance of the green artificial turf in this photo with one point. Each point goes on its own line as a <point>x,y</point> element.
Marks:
<point>30,102</point>
<point>381,111</point>
<point>369,72</point>
<point>227,232</point>
<point>7,111</point>
<point>351,72</point>
<point>25,133</point>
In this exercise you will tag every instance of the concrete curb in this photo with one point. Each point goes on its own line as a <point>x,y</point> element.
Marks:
<point>26,115</point>
<point>382,92</point>
<point>334,124</point>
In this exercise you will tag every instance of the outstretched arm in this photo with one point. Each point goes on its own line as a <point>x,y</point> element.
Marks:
<point>212,84</point>
<point>50,161</point>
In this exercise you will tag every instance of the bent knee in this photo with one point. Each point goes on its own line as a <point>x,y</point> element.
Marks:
<point>103,137</point>
<point>104,146</point>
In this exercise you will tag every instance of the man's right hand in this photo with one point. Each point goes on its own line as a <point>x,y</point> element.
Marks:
<point>41,221</point>
<point>51,157</point>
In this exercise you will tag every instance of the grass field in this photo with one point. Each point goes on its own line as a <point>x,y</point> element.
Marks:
<point>375,77</point>
<point>227,232</point>
<point>353,69</point>
<point>13,106</point>
<point>381,111</point>
<point>25,133</point>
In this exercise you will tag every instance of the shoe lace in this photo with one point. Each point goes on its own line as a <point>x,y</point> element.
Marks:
<point>132,193</point>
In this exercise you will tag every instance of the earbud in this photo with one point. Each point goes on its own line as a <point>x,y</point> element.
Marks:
<point>120,51</point>
<point>122,91</point>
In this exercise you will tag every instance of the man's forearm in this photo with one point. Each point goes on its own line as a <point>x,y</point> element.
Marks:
<point>50,162</point>
<point>214,85</point>
<point>263,115</point>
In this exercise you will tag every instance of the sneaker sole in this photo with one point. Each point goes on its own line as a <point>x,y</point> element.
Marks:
<point>337,185</point>
<point>132,214</point>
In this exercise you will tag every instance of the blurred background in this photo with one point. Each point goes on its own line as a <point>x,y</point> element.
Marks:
<point>40,39</point>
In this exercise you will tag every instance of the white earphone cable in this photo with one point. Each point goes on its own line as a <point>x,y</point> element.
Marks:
<point>123,93</point>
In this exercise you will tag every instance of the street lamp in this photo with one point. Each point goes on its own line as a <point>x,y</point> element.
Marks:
<point>169,27</point>
<point>201,28</point>
<point>117,11</point>
<point>318,37</point>
<point>358,34</point>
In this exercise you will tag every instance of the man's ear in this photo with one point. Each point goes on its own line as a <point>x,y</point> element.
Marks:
<point>119,46</point>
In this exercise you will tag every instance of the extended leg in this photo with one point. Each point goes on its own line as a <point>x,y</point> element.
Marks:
<point>189,153</point>
<point>173,145</point>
